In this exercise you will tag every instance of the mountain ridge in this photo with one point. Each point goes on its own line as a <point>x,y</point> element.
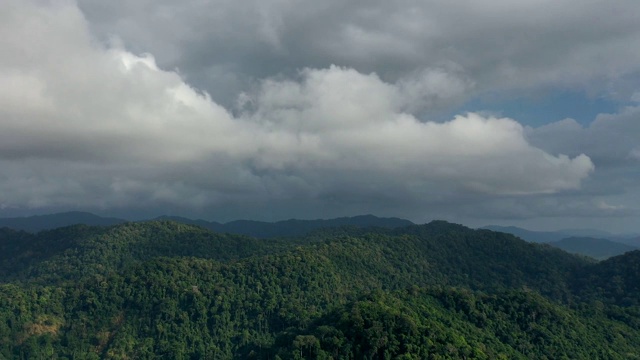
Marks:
<point>259,229</point>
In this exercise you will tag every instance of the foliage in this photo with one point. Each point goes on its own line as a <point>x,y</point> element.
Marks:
<point>436,291</point>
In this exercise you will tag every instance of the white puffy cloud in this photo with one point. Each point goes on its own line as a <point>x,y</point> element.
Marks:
<point>85,124</point>
<point>345,120</point>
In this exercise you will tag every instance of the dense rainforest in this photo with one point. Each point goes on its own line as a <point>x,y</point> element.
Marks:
<point>163,289</point>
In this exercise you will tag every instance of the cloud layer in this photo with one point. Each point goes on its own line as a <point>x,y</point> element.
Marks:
<point>87,122</point>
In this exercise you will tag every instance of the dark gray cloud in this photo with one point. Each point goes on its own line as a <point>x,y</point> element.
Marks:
<point>498,45</point>
<point>612,142</point>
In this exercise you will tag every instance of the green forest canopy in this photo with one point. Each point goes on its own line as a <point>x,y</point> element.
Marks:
<point>434,291</point>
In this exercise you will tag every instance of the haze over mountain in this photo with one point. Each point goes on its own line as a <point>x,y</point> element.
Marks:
<point>596,248</point>
<point>594,243</point>
<point>551,236</point>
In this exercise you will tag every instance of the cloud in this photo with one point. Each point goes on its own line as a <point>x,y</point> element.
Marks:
<point>609,140</point>
<point>498,46</point>
<point>90,124</point>
<point>354,122</point>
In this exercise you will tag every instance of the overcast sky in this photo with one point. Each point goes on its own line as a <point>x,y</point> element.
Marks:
<point>479,112</point>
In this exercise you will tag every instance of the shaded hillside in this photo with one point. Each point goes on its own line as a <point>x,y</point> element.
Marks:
<point>615,280</point>
<point>20,250</point>
<point>70,253</point>
<point>440,290</point>
<point>599,249</point>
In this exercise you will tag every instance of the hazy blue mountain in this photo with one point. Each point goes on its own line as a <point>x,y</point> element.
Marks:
<point>633,240</point>
<point>552,236</point>
<point>46,222</point>
<point>528,235</point>
<point>592,233</point>
<point>596,248</point>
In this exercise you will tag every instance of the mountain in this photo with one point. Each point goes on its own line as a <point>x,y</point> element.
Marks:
<point>439,290</point>
<point>552,236</point>
<point>629,240</point>
<point>444,251</point>
<point>259,229</point>
<point>528,235</point>
<point>594,243</point>
<point>292,227</point>
<point>592,233</point>
<point>52,221</point>
<point>596,248</point>
<point>73,252</point>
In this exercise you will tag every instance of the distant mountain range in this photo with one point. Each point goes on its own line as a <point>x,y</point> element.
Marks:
<point>593,243</point>
<point>259,229</point>
<point>292,227</point>
<point>549,236</point>
<point>596,248</point>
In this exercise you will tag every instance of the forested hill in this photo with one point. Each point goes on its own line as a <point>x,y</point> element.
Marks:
<point>73,252</point>
<point>259,229</point>
<point>292,227</point>
<point>440,290</point>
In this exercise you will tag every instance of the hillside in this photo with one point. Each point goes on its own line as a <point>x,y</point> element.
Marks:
<point>614,280</point>
<point>71,253</point>
<point>440,290</point>
<point>599,249</point>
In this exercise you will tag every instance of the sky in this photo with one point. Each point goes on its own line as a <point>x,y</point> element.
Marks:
<point>521,113</point>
